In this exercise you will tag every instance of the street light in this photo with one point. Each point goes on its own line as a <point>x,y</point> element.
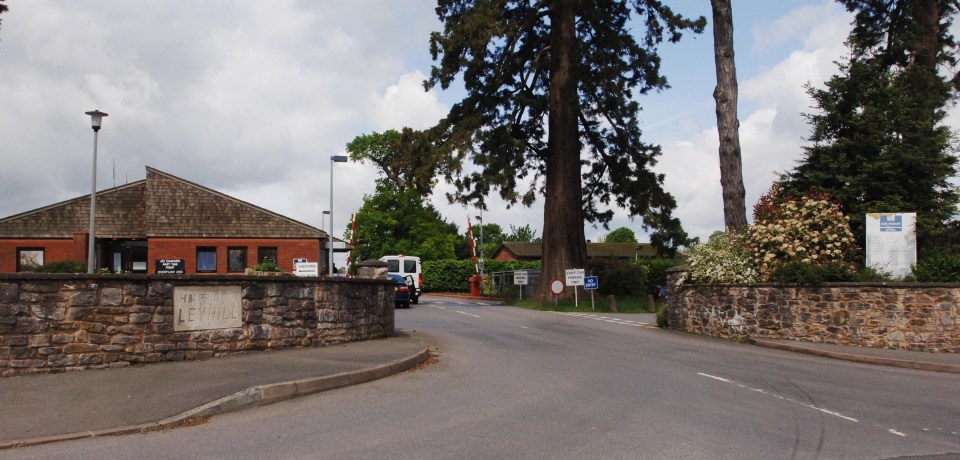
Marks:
<point>96,118</point>
<point>323,220</point>
<point>333,159</point>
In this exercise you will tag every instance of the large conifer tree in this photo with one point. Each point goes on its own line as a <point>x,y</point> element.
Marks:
<point>550,99</point>
<point>879,144</point>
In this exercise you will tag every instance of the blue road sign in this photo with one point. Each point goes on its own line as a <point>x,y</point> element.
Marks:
<point>591,282</point>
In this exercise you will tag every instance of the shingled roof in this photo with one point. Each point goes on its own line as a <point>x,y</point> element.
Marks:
<point>163,205</point>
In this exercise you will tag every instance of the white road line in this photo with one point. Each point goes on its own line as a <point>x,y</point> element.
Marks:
<point>468,314</point>
<point>762,391</point>
<point>903,435</point>
<point>437,306</point>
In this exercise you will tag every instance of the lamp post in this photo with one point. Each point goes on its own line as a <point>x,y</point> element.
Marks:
<point>480,218</point>
<point>333,159</point>
<point>96,118</point>
<point>323,220</point>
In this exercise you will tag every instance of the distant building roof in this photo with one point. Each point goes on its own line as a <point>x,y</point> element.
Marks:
<point>510,250</point>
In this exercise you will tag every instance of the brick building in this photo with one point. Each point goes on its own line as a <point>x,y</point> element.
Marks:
<point>163,221</point>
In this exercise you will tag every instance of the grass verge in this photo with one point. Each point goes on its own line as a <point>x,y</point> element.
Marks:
<point>600,304</point>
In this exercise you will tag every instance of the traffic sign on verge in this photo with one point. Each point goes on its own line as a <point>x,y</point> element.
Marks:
<point>556,286</point>
<point>591,282</point>
<point>520,277</point>
<point>575,277</point>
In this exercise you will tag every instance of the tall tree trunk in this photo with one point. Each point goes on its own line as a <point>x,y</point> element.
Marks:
<point>725,94</point>
<point>564,245</point>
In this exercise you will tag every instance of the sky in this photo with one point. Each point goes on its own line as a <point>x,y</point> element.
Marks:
<point>252,98</point>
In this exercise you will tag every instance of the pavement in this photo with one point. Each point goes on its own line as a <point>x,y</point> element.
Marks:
<point>44,408</point>
<point>37,409</point>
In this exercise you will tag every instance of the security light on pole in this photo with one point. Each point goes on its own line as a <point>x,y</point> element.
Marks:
<point>96,119</point>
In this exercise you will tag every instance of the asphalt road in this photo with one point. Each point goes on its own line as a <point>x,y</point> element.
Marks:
<point>513,383</point>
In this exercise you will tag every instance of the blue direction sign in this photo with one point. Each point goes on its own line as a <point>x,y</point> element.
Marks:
<point>591,282</point>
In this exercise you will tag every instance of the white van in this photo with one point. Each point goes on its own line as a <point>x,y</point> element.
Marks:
<point>407,265</point>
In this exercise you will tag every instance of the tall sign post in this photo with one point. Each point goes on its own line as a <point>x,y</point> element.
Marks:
<point>520,279</point>
<point>591,283</point>
<point>575,278</point>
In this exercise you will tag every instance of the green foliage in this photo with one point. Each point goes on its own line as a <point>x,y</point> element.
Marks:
<point>454,275</point>
<point>724,258</point>
<point>395,222</point>
<point>267,266</point>
<point>620,235</point>
<point>663,315</point>
<point>940,268</point>
<point>405,158</point>
<point>832,272</point>
<point>809,229</point>
<point>67,266</point>
<point>523,234</point>
<point>620,278</point>
<point>657,271</point>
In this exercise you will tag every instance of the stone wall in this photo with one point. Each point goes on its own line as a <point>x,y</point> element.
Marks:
<point>51,323</point>
<point>902,316</point>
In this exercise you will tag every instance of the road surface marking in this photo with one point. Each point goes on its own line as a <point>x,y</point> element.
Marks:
<point>468,314</point>
<point>765,392</point>
<point>437,306</point>
<point>891,430</point>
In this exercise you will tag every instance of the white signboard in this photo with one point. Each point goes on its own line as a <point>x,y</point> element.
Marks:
<point>520,278</point>
<point>206,307</point>
<point>892,242</point>
<point>306,269</point>
<point>575,277</point>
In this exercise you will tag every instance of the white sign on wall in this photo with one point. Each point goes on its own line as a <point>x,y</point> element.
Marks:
<point>206,307</point>
<point>306,269</point>
<point>575,277</point>
<point>892,242</point>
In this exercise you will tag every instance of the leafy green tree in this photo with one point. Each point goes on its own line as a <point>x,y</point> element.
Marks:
<point>406,158</point>
<point>394,222</point>
<point>879,143</point>
<point>621,235</point>
<point>523,234</point>
<point>549,110</point>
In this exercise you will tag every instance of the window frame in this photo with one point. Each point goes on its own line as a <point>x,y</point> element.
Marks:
<point>42,251</point>
<point>207,249</point>
<point>262,249</point>
<point>246,262</point>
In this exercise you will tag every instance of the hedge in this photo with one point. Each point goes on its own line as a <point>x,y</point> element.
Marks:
<point>454,275</point>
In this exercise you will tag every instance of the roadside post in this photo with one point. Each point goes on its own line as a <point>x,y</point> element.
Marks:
<point>556,287</point>
<point>520,279</point>
<point>575,278</point>
<point>591,283</point>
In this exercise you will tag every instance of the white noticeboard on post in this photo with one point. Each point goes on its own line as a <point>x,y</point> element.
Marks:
<point>892,242</point>
<point>575,278</point>
<point>520,279</point>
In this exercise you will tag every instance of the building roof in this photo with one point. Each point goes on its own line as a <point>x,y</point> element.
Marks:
<point>534,251</point>
<point>162,205</point>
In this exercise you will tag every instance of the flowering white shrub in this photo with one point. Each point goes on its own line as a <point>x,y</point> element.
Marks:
<point>810,229</point>
<point>724,258</point>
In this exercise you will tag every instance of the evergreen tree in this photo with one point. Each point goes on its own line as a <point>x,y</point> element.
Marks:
<point>879,144</point>
<point>728,127</point>
<point>550,107</point>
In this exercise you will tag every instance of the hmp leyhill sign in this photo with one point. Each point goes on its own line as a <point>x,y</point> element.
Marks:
<point>206,307</point>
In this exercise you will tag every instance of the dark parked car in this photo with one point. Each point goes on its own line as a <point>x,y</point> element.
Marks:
<point>401,291</point>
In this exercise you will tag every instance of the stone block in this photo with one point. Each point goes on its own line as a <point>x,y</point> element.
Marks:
<point>49,311</point>
<point>111,296</point>
<point>140,317</point>
<point>80,348</point>
<point>124,340</point>
<point>135,290</point>
<point>9,292</point>
<point>83,299</point>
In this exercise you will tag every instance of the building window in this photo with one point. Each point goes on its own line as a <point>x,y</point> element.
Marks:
<point>29,258</point>
<point>206,260</point>
<point>236,259</point>
<point>266,254</point>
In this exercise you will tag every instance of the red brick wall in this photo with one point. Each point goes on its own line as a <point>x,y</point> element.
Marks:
<point>54,250</point>
<point>186,249</point>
